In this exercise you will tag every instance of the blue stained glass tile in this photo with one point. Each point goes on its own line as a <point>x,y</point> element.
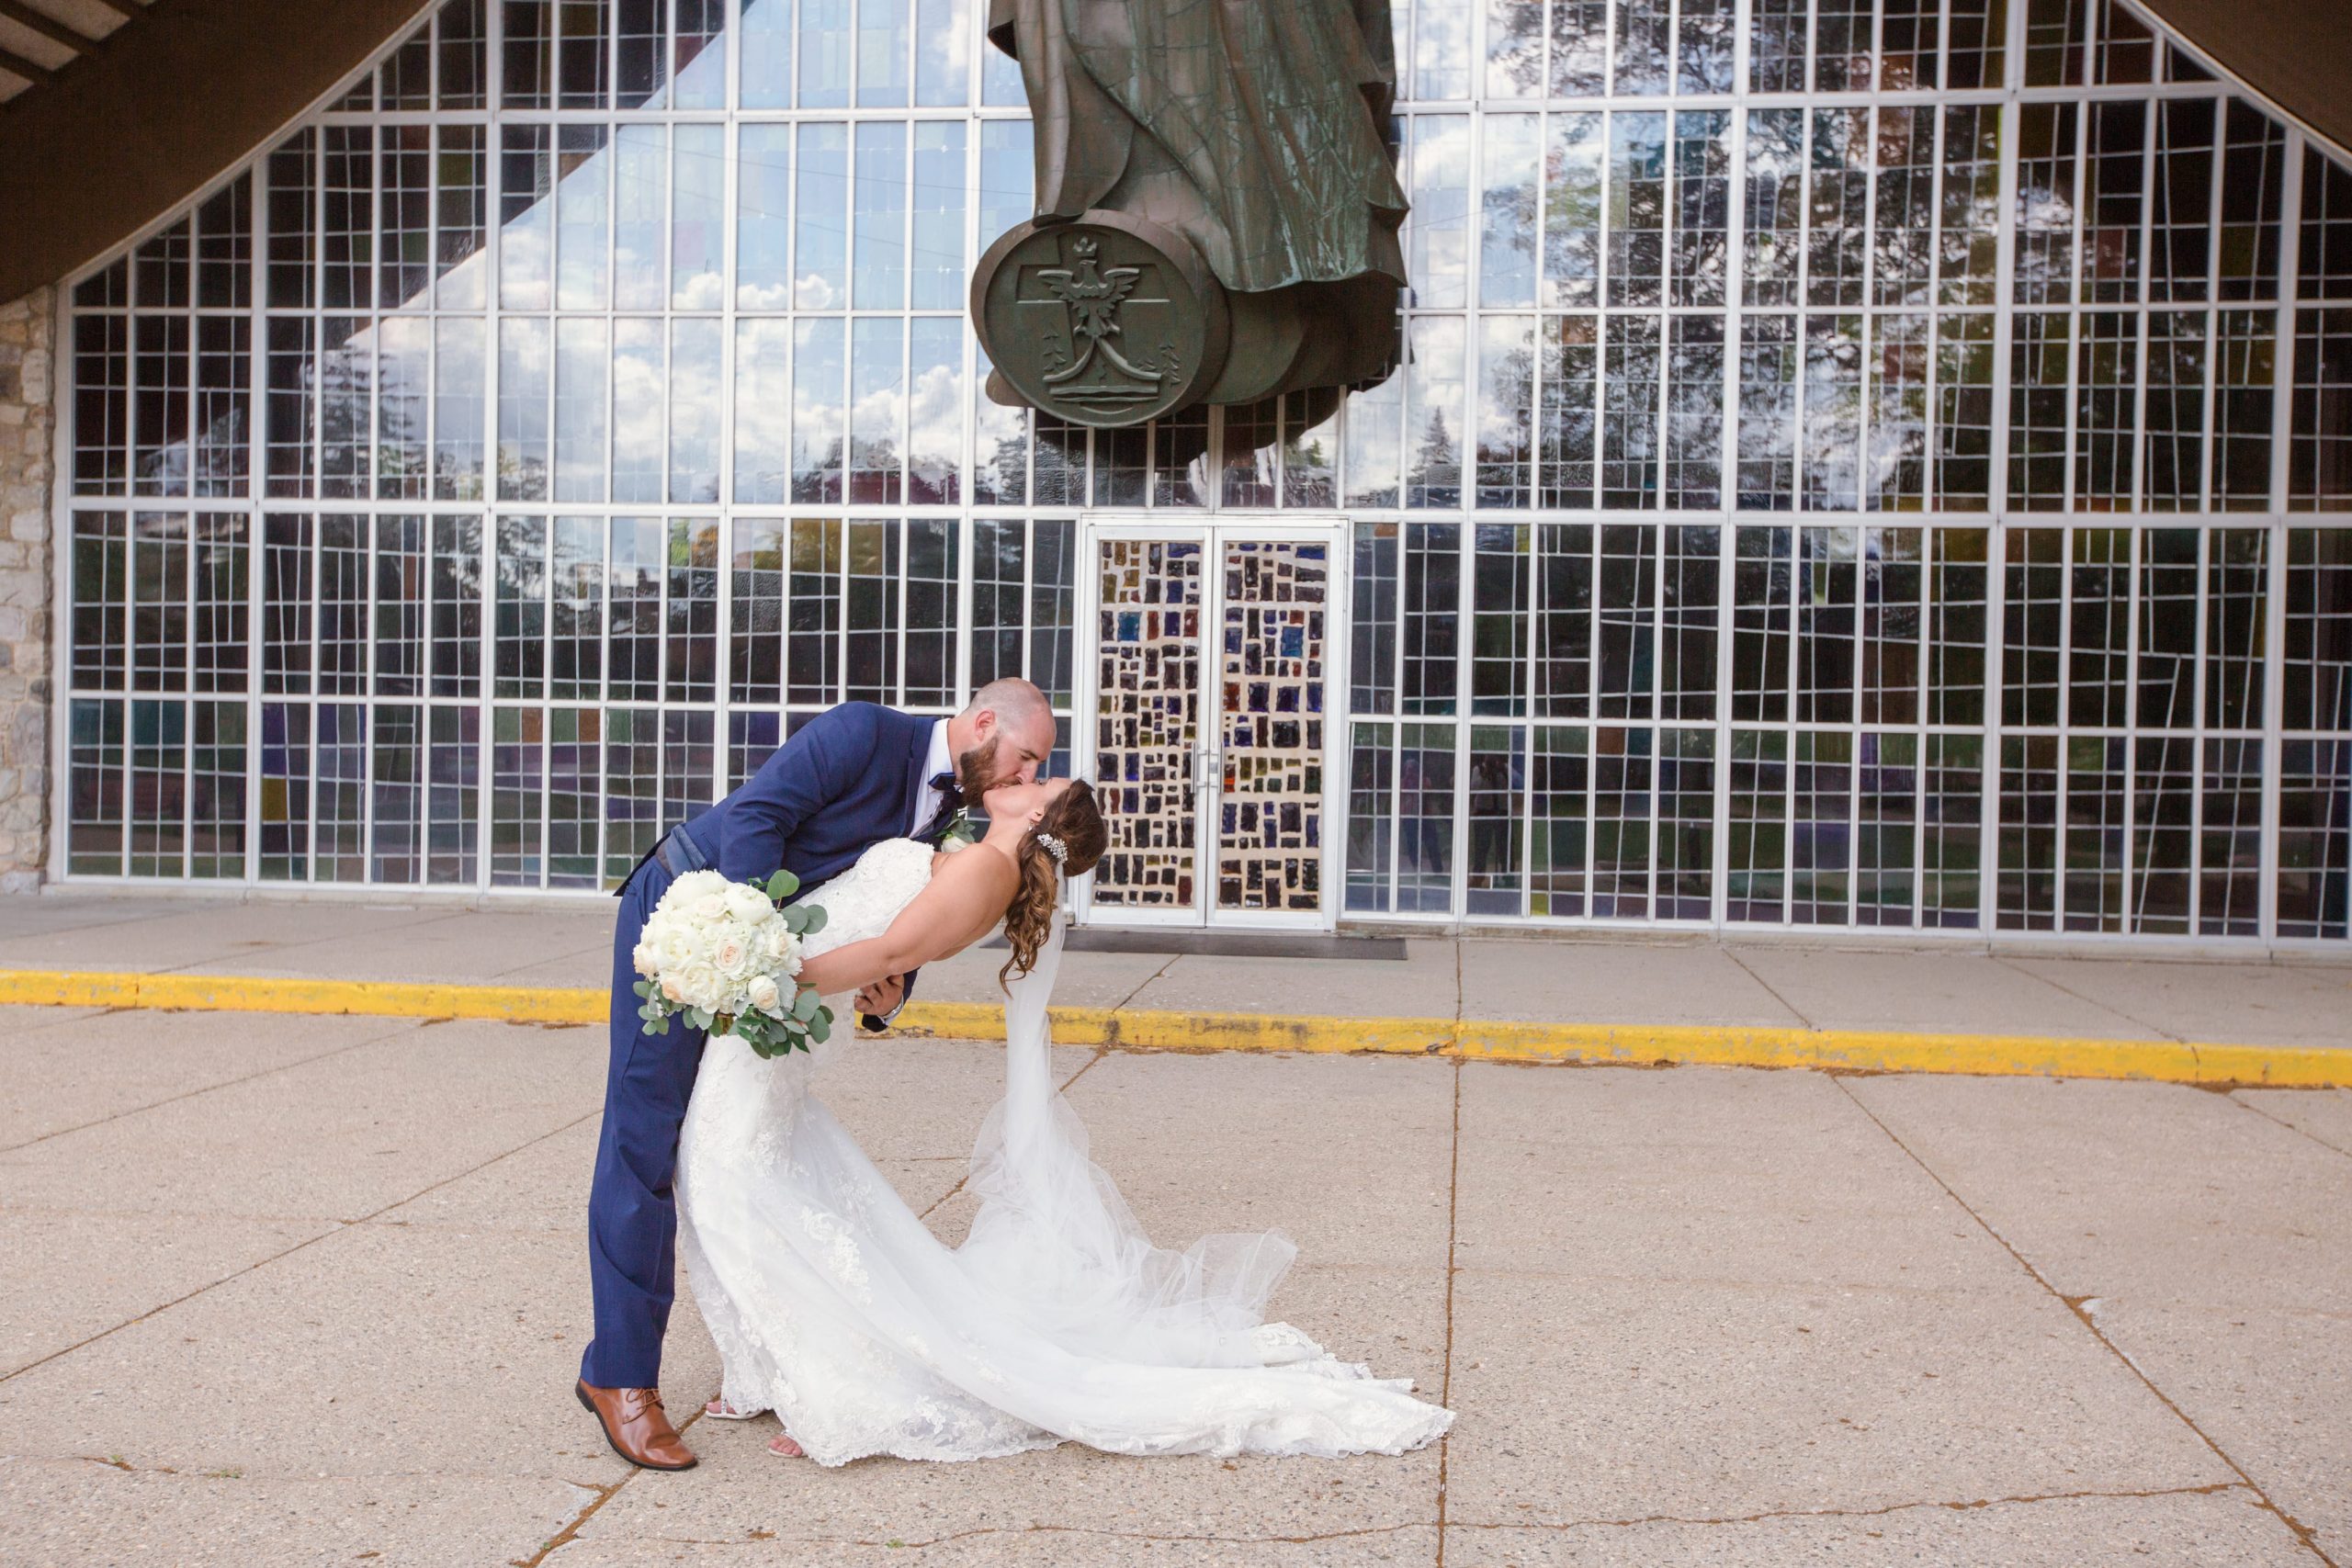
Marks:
<point>1130,626</point>
<point>1294,642</point>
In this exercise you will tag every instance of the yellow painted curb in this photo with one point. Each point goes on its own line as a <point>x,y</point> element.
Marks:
<point>236,993</point>
<point>2296,1066</point>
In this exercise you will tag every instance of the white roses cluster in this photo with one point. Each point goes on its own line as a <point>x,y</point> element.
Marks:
<point>718,947</point>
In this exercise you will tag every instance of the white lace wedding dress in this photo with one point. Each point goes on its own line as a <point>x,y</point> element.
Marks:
<point>1056,1320</point>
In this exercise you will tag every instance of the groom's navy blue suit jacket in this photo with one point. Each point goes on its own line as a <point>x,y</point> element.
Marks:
<point>850,777</point>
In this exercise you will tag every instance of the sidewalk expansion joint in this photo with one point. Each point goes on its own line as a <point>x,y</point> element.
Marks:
<point>336,1229</point>
<point>2078,1307</point>
<point>1153,978</point>
<point>1524,1043</point>
<point>1453,1269</point>
<point>605,1493</point>
<point>2009,963</point>
<point>908,1543</point>
<point>1961,1505</point>
<point>1770,989</point>
<point>2299,1132</point>
<point>201,1088</point>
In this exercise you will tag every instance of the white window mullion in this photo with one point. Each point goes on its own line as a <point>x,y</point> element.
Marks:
<point>2274,654</point>
<point>486,657</point>
<point>1726,594</point>
<point>256,518</point>
<point>369,523</point>
<point>2207,482</point>
<point>2135,601</point>
<point>1997,488</point>
<point>2070,539</point>
<point>1924,749</point>
<point>1530,720</point>
<point>1593,558</point>
<point>730,244</point>
<point>1465,585</point>
<point>2078,303</point>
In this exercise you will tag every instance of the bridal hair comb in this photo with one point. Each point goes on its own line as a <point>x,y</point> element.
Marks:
<point>1055,847</point>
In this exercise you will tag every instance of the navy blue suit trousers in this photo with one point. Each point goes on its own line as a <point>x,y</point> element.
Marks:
<point>849,779</point>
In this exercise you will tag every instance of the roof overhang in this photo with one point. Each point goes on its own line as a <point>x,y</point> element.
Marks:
<point>2295,53</point>
<point>100,151</point>
<point>93,155</point>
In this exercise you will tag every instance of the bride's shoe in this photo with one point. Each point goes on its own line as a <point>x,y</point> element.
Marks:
<point>783,1447</point>
<point>719,1410</point>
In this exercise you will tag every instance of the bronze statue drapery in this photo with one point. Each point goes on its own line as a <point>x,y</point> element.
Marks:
<point>1224,166</point>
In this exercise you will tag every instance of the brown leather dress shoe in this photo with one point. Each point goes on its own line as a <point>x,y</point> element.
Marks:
<point>637,1427</point>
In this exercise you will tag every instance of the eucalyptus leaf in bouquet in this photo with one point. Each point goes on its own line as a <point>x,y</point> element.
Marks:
<point>724,956</point>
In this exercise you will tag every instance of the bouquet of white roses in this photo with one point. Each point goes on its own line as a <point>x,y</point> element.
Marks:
<point>725,955</point>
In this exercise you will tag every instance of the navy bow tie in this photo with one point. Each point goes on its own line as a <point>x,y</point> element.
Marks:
<point>950,801</point>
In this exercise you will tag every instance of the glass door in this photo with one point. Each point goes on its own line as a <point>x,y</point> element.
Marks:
<point>1211,651</point>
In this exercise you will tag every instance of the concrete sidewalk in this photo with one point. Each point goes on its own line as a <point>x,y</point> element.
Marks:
<point>311,1290</point>
<point>1544,998</point>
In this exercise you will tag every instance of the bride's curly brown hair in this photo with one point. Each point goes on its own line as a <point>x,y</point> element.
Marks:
<point>1075,817</point>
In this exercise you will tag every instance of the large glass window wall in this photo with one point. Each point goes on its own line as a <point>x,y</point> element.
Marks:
<point>1859,465</point>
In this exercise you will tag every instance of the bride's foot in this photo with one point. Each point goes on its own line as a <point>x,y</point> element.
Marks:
<point>783,1447</point>
<point>719,1410</point>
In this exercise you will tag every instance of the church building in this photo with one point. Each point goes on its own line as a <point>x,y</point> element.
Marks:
<point>1864,467</point>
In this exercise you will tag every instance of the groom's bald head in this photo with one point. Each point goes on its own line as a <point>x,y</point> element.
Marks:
<point>1002,736</point>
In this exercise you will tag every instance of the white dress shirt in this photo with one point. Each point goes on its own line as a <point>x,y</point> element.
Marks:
<point>935,762</point>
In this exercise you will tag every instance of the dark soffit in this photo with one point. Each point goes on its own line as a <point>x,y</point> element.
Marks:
<point>92,156</point>
<point>2297,53</point>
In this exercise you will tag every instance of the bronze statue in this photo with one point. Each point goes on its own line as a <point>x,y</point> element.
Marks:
<point>1217,208</point>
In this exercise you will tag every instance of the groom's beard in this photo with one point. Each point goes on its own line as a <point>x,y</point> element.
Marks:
<point>976,771</point>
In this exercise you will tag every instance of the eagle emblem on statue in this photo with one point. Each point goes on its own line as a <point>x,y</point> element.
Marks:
<point>1093,294</point>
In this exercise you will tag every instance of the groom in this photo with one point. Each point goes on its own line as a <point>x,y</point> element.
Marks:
<point>849,779</point>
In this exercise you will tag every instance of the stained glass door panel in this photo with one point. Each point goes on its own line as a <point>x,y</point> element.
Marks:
<point>1147,723</point>
<point>1273,608</point>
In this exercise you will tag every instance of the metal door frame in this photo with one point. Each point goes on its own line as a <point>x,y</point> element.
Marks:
<point>1212,532</point>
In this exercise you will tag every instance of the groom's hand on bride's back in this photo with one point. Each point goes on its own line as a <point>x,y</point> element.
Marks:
<point>878,1001</point>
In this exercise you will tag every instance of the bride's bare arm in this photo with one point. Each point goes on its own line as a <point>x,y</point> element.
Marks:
<point>966,893</point>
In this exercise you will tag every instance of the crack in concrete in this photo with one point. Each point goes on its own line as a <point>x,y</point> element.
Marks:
<point>763,1538</point>
<point>2314,1137</point>
<point>2160,1033</point>
<point>1452,1268</point>
<point>2075,1305</point>
<point>340,1228</point>
<point>1963,1506</point>
<point>1770,989</point>
<point>1157,974</point>
<point>399,1027</point>
<point>571,1531</point>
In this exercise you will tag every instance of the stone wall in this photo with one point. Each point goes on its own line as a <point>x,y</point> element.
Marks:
<point>28,425</point>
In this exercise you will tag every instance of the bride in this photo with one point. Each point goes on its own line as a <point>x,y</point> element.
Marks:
<point>833,1306</point>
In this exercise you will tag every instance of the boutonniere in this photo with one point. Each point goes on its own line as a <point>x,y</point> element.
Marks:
<point>959,834</point>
